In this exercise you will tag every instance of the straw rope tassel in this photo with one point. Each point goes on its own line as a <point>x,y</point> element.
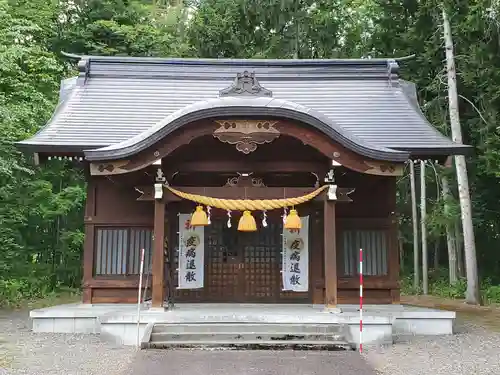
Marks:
<point>247,204</point>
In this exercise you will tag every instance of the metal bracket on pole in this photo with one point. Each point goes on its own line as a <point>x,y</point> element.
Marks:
<point>332,187</point>
<point>160,180</point>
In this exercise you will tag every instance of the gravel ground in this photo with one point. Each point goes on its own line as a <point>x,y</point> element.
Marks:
<point>473,350</point>
<point>285,362</point>
<point>26,353</point>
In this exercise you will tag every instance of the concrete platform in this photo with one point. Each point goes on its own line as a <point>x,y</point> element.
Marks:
<point>118,322</point>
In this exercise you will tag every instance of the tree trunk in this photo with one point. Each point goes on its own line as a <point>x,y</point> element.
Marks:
<point>459,249</point>
<point>436,254</point>
<point>416,264</point>
<point>401,253</point>
<point>423,218</point>
<point>450,233</point>
<point>472,294</point>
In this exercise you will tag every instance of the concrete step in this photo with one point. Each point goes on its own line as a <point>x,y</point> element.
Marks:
<point>253,344</point>
<point>245,336</point>
<point>249,336</point>
<point>255,328</point>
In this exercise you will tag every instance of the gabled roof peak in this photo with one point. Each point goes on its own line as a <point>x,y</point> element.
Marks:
<point>240,62</point>
<point>294,69</point>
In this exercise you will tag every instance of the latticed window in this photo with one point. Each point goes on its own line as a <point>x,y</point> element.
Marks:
<point>117,250</point>
<point>375,249</point>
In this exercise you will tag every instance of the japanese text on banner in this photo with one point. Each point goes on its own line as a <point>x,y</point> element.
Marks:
<point>191,254</point>
<point>295,267</point>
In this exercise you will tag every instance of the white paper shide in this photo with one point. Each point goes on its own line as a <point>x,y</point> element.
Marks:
<point>295,267</point>
<point>191,254</point>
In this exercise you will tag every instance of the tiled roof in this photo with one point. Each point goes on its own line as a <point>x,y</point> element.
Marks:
<point>122,104</point>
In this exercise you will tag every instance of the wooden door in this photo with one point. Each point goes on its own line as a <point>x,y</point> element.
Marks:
<point>261,264</point>
<point>224,263</point>
<point>243,267</point>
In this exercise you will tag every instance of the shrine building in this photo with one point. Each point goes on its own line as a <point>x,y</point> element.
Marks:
<point>244,181</point>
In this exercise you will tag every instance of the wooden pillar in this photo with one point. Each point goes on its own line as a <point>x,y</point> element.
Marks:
<point>316,255</point>
<point>158,266</point>
<point>393,242</point>
<point>330,251</point>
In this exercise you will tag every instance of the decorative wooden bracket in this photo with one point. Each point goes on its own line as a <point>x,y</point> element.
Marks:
<point>246,134</point>
<point>245,84</point>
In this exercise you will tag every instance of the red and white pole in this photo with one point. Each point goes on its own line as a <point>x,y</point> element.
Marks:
<point>360,300</point>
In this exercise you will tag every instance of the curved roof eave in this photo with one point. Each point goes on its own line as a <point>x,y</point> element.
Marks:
<point>230,106</point>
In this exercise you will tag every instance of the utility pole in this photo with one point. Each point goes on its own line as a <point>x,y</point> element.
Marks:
<point>472,294</point>
<point>416,263</point>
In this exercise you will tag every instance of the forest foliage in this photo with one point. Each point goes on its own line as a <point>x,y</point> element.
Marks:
<point>41,208</point>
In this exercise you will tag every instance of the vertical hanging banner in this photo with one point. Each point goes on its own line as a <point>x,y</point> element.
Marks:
<point>295,267</point>
<point>191,254</point>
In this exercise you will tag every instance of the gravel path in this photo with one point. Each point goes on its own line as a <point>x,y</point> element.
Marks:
<point>26,353</point>
<point>472,351</point>
<point>220,362</point>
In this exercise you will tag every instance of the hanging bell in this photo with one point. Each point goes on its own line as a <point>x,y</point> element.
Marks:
<point>199,217</point>
<point>293,221</point>
<point>247,222</point>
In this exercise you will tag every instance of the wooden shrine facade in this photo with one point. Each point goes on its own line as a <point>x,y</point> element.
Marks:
<point>122,216</point>
<point>244,130</point>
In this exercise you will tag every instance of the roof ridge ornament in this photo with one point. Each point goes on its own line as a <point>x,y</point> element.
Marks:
<point>392,72</point>
<point>245,84</point>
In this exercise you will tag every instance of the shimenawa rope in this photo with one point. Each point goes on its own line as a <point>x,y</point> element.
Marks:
<point>247,204</point>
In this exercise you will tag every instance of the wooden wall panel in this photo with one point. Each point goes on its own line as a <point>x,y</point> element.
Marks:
<point>116,295</point>
<point>116,203</point>
<point>372,198</point>
<point>373,296</point>
<point>112,203</point>
<point>373,206</point>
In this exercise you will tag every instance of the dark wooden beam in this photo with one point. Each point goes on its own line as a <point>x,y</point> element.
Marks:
<point>228,166</point>
<point>118,282</point>
<point>230,192</point>
<point>158,266</point>
<point>330,260</point>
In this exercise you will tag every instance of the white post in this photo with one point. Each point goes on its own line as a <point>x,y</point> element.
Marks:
<point>423,219</point>
<point>139,300</point>
<point>414,217</point>
<point>360,300</point>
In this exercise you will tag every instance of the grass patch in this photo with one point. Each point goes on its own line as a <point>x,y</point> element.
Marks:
<point>51,299</point>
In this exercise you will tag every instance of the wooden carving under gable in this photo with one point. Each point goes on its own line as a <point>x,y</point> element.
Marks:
<point>384,169</point>
<point>108,167</point>
<point>245,181</point>
<point>246,134</point>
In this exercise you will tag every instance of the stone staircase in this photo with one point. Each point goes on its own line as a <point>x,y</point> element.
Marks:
<point>237,335</point>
